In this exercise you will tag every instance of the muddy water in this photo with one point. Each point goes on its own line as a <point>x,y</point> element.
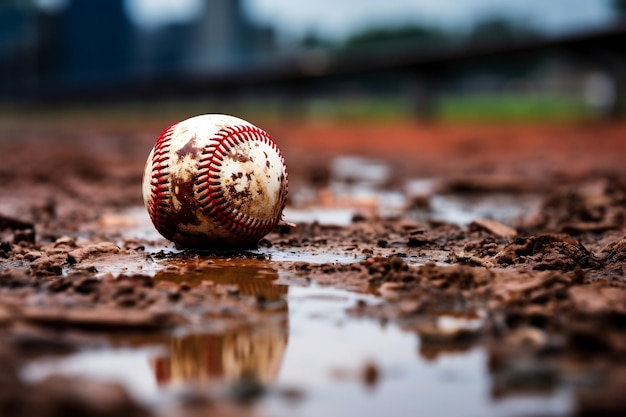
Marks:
<point>313,360</point>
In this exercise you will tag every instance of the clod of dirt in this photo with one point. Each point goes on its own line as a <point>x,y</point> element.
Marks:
<point>615,252</point>
<point>79,255</point>
<point>554,252</point>
<point>592,207</point>
<point>495,228</point>
<point>599,299</point>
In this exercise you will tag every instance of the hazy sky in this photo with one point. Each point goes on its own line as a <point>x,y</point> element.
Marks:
<point>337,18</point>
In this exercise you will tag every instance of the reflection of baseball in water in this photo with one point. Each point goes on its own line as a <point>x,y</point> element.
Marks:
<point>214,182</point>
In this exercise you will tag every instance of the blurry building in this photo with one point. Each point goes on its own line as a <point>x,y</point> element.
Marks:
<point>18,64</point>
<point>223,36</point>
<point>94,43</point>
<point>219,38</point>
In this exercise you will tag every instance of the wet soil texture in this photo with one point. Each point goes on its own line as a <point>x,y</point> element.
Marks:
<point>508,240</point>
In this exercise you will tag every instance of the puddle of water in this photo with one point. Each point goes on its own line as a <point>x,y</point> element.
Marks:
<point>132,223</point>
<point>317,350</point>
<point>462,210</point>
<point>359,169</point>
<point>323,215</point>
<point>329,352</point>
<point>130,366</point>
<point>315,256</point>
<point>420,187</point>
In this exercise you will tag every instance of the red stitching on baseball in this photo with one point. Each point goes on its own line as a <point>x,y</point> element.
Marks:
<point>211,193</point>
<point>160,196</point>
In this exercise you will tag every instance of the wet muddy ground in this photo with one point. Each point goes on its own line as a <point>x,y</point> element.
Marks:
<point>442,270</point>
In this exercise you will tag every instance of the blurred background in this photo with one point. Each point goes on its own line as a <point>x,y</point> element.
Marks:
<point>444,59</point>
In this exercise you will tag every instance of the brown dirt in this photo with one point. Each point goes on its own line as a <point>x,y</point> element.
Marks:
<point>550,287</point>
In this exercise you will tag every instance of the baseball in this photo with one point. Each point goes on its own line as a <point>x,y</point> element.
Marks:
<point>215,182</point>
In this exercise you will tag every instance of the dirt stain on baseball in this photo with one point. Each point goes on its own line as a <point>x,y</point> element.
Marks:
<point>240,155</point>
<point>240,197</point>
<point>187,210</point>
<point>190,148</point>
